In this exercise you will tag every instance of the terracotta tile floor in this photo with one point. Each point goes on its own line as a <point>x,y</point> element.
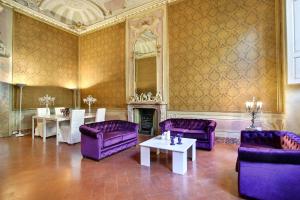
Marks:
<point>43,171</point>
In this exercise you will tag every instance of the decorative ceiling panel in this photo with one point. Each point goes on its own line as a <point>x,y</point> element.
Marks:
<point>81,16</point>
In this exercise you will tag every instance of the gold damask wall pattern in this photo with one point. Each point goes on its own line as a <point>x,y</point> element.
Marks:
<point>44,58</point>
<point>102,66</point>
<point>222,52</point>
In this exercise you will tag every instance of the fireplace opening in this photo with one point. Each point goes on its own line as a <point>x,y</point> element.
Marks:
<point>146,121</point>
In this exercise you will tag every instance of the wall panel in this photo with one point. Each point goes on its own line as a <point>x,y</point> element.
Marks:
<point>222,52</point>
<point>44,58</point>
<point>102,66</point>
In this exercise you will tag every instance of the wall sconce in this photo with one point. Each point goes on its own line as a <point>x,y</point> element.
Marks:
<point>253,108</point>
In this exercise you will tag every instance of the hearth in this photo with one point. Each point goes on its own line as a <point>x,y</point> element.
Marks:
<point>153,113</point>
<point>146,121</point>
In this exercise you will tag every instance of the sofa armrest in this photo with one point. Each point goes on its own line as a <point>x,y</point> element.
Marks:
<point>165,125</point>
<point>211,127</point>
<point>133,127</point>
<point>269,138</point>
<point>269,155</point>
<point>91,132</point>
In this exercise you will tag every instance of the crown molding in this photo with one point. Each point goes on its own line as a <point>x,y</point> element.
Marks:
<point>105,23</point>
<point>124,15</point>
<point>36,15</point>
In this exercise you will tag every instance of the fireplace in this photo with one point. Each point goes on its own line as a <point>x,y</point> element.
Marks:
<point>147,116</point>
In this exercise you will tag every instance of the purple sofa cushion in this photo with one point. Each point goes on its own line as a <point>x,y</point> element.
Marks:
<point>129,135</point>
<point>115,137</point>
<point>196,134</point>
<point>178,130</point>
<point>112,138</point>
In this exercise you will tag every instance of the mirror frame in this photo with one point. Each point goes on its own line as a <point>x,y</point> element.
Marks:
<point>155,22</point>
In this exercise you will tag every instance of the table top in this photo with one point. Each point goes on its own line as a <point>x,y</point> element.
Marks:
<point>159,143</point>
<point>61,117</point>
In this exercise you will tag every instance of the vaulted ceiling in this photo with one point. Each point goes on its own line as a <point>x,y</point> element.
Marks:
<point>81,16</point>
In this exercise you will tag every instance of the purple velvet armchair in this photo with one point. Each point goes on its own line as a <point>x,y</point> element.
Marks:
<point>102,139</point>
<point>268,165</point>
<point>200,129</point>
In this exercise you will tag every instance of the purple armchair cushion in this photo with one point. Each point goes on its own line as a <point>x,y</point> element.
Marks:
<point>269,155</point>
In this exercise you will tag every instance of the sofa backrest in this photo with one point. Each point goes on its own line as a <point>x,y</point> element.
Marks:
<point>290,141</point>
<point>192,124</point>
<point>114,125</point>
<point>271,138</point>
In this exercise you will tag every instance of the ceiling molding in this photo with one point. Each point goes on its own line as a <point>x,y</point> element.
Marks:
<point>99,25</point>
<point>34,14</point>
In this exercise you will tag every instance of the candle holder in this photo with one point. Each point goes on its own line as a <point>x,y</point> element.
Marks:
<point>179,137</point>
<point>89,100</point>
<point>253,108</point>
<point>172,140</point>
<point>47,100</point>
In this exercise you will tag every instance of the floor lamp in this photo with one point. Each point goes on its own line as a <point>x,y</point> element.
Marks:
<point>19,133</point>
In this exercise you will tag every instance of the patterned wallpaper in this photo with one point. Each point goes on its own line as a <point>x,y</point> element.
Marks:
<point>102,66</point>
<point>222,52</point>
<point>44,57</point>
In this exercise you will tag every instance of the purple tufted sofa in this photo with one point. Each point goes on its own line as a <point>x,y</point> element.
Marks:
<point>200,129</point>
<point>102,139</point>
<point>268,165</point>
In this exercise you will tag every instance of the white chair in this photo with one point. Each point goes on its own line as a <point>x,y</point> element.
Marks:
<point>100,115</point>
<point>58,111</point>
<point>50,126</point>
<point>69,132</point>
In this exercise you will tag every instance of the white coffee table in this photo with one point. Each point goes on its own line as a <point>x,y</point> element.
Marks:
<point>179,152</point>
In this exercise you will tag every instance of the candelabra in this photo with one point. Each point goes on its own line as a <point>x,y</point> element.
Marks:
<point>89,100</point>
<point>47,100</point>
<point>253,108</point>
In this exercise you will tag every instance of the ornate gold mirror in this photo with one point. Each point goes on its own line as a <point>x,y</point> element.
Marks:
<point>145,53</point>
